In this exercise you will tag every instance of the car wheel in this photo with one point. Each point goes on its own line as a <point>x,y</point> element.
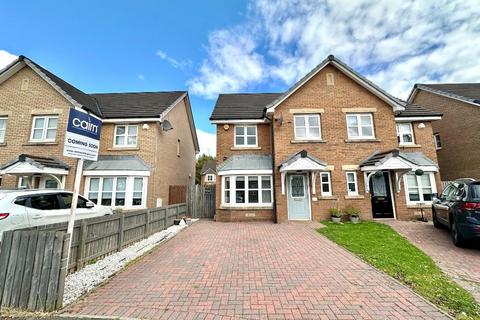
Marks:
<point>457,237</point>
<point>436,224</point>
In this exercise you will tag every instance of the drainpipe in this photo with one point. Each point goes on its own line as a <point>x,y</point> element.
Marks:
<point>272,139</point>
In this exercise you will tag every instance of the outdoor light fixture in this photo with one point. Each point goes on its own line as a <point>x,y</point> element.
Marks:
<point>419,172</point>
<point>166,125</point>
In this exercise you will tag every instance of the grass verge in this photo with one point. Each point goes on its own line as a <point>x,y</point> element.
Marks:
<point>382,247</point>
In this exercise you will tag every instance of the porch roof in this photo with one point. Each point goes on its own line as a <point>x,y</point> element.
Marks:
<point>302,161</point>
<point>398,160</point>
<point>246,162</point>
<point>120,162</point>
<point>29,164</point>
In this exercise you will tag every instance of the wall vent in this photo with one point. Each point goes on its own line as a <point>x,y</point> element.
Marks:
<point>25,83</point>
<point>330,79</point>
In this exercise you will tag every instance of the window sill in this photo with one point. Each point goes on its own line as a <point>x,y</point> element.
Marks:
<point>409,146</point>
<point>362,140</point>
<point>245,148</point>
<point>424,205</point>
<point>246,207</point>
<point>355,197</point>
<point>3,144</point>
<point>326,198</point>
<point>123,149</point>
<point>40,143</point>
<point>308,141</point>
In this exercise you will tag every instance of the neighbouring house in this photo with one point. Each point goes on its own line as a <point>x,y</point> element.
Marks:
<point>457,135</point>
<point>334,139</point>
<point>208,173</point>
<point>148,139</point>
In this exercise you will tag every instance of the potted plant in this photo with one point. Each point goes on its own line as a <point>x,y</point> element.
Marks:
<point>336,215</point>
<point>353,213</point>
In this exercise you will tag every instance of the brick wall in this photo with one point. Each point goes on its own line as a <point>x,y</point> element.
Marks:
<point>460,154</point>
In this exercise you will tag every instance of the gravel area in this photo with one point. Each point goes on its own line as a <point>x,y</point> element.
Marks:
<point>86,279</point>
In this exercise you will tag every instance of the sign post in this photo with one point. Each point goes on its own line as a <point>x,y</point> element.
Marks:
<point>82,141</point>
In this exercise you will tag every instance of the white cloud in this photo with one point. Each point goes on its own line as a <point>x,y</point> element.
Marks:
<point>208,142</point>
<point>141,77</point>
<point>6,58</point>
<point>178,64</point>
<point>394,43</point>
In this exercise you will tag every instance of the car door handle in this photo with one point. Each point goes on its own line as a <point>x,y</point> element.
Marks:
<point>37,216</point>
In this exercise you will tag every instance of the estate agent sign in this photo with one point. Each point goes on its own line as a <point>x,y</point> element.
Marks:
<point>82,139</point>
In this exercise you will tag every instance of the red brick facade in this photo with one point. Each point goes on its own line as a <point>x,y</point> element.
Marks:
<point>332,102</point>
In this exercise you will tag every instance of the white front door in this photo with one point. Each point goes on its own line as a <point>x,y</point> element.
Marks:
<point>298,197</point>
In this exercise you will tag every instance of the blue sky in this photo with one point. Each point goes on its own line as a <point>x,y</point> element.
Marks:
<point>208,47</point>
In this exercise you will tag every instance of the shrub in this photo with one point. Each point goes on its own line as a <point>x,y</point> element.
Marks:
<point>352,211</point>
<point>335,212</point>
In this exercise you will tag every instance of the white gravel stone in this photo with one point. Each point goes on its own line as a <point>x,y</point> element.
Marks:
<point>84,280</point>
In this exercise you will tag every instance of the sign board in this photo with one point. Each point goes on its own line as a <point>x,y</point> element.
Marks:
<point>82,139</point>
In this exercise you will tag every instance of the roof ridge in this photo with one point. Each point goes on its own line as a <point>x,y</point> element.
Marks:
<point>136,92</point>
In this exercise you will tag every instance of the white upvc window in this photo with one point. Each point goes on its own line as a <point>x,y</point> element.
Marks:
<point>210,177</point>
<point>352,184</point>
<point>245,136</point>
<point>44,128</point>
<point>3,128</point>
<point>307,127</point>
<point>247,190</point>
<point>419,189</point>
<point>325,184</point>
<point>118,192</point>
<point>125,135</point>
<point>360,126</point>
<point>405,133</point>
<point>437,140</point>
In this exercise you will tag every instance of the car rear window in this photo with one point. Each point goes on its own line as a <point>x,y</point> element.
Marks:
<point>45,202</point>
<point>475,192</point>
<point>21,201</point>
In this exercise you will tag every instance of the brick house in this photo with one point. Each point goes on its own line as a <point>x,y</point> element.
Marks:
<point>460,105</point>
<point>148,139</point>
<point>208,173</point>
<point>334,139</point>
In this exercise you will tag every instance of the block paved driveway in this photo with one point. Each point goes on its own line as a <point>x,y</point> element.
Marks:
<point>461,264</point>
<point>253,271</point>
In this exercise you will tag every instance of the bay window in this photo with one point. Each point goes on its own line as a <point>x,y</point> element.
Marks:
<point>360,126</point>
<point>122,192</point>
<point>248,190</point>
<point>419,189</point>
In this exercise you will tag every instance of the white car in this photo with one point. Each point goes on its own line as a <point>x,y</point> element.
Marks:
<point>27,208</point>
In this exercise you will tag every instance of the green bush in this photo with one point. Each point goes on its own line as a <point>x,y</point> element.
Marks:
<point>352,211</point>
<point>335,212</point>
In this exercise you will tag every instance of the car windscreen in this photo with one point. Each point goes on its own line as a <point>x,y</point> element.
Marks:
<point>475,192</point>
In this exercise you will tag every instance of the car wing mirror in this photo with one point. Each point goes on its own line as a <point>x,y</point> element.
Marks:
<point>89,204</point>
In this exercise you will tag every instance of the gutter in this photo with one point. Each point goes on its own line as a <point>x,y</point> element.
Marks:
<point>272,137</point>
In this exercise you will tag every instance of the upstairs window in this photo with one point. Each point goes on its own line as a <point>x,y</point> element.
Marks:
<point>3,128</point>
<point>126,135</point>
<point>405,133</point>
<point>245,136</point>
<point>360,126</point>
<point>307,127</point>
<point>44,128</point>
<point>438,142</point>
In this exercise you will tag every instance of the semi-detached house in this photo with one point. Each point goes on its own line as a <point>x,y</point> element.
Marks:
<point>334,139</point>
<point>148,140</point>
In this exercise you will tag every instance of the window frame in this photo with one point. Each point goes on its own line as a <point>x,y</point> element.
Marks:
<point>307,127</point>
<point>360,136</point>
<point>419,187</point>
<point>245,136</point>
<point>125,136</point>
<point>210,175</point>
<point>129,190</point>
<point>437,140</point>
<point>329,183</point>
<point>355,181</point>
<point>233,191</point>
<point>44,129</point>
<point>400,135</point>
<point>4,130</point>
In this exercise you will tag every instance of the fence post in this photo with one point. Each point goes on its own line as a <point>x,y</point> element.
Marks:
<point>63,271</point>
<point>147,226</point>
<point>82,240</point>
<point>165,222</point>
<point>121,224</point>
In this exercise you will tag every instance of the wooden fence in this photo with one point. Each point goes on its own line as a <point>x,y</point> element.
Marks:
<point>32,269</point>
<point>177,194</point>
<point>201,201</point>
<point>96,238</point>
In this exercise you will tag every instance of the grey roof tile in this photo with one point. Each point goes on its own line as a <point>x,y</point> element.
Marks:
<point>246,162</point>
<point>118,162</point>
<point>50,162</point>
<point>209,165</point>
<point>469,92</point>
<point>417,158</point>
<point>236,106</point>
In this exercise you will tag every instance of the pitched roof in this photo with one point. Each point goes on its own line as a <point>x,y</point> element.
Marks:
<point>236,106</point>
<point>51,162</point>
<point>210,165</point>
<point>300,155</point>
<point>468,92</point>
<point>413,110</point>
<point>357,77</point>
<point>416,158</point>
<point>118,162</point>
<point>246,162</point>
<point>136,104</point>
